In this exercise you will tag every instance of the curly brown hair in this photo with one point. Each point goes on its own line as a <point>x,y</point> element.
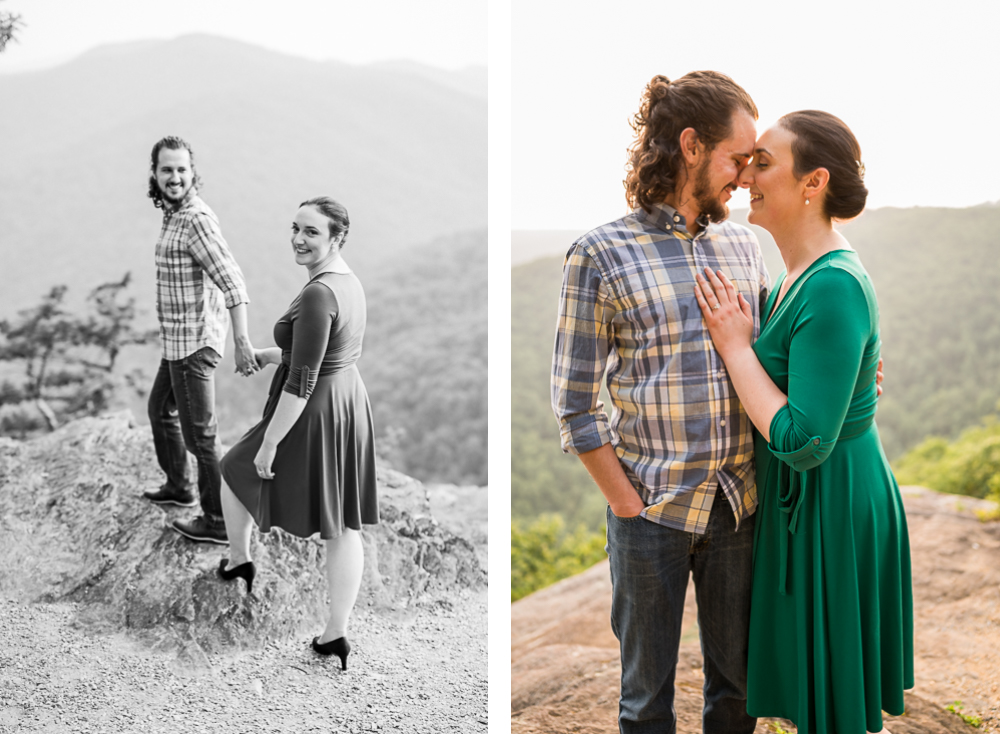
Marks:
<point>702,100</point>
<point>171,142</point>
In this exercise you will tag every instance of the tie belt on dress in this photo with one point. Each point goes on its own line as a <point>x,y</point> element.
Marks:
<point>790,501</point>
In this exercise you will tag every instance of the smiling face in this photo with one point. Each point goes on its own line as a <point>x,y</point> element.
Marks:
<point>311,239</point>
<point>776,195</point>
<point>717,177</point>
<point>174,174</point>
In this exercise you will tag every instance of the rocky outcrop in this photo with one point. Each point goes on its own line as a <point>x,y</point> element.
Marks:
<point>73,526</point>
<point>565,668</point>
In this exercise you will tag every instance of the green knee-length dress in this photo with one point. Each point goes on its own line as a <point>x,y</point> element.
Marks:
<point>831,621</point>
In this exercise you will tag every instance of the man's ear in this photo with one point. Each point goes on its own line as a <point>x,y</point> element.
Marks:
<point>691,146</point>
<point>815,182</point>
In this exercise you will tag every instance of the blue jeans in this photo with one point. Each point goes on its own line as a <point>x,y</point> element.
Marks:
<point>650,567</point>
<point>182,416</point>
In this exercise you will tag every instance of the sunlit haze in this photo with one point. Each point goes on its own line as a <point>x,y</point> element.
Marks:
<point>916,88</point>
<point>449,34</point>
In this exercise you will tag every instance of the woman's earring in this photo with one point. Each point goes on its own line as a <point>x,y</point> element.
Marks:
<point>807,202</point>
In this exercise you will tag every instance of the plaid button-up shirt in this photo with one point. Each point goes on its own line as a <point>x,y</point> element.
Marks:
<point>628,305</point>
<point>197,279</point>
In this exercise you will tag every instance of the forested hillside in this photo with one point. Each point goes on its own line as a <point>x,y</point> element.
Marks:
<point>938,285</point>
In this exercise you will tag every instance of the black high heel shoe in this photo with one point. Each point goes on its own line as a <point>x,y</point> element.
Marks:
<point>245,571</point>
<point>339,647</point>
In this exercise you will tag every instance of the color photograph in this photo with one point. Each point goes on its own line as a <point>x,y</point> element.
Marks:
<point>755,369</point>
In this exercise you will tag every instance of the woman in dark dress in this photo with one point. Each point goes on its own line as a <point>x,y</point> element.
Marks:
<point>309,465</point>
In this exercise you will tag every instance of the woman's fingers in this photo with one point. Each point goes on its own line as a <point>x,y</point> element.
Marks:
<point>706,291</point>
<point>702,301</point>
<point>718,290</point>
<point>730,288</point>
<point>745,306</point>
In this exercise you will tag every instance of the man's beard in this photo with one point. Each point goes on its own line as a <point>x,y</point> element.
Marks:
<point>174,200</point>
<point>708,201</point>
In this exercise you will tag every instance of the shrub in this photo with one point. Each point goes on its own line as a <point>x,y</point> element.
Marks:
<point>544,552</point>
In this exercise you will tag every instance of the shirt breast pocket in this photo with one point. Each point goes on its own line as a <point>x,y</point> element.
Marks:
<point>653,309</point>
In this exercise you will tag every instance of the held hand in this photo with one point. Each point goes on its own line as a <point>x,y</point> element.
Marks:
<point>878,378</point>
<point>264,459</point>
<point>260,358</point>
<point>246,363</point>
<point>727,313</point>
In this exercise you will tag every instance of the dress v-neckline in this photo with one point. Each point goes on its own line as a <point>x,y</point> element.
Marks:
<point>773,306</point>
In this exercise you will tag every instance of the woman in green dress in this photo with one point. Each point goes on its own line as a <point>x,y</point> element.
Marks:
<point>831,623</point>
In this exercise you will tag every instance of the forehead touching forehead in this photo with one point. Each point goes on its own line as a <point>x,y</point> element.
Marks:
<point>740,142</point>
<point>776,140</point>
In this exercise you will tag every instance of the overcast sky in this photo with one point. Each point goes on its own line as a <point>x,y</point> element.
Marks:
<point>917,86</point>
<point>446,33</point>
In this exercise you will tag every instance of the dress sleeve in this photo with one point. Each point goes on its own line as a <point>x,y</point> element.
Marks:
<point>583,334</point>
<point>829,333</point>
<point>310,335</point>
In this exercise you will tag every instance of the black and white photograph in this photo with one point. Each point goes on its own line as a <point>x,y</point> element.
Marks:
<point>243,366</point>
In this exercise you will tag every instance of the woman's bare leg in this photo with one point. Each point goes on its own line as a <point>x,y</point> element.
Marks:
<point>345,561</point>
<point>239,522</point>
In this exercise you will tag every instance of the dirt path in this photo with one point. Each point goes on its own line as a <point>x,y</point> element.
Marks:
<point>422,673</point>
<point>565,666</point>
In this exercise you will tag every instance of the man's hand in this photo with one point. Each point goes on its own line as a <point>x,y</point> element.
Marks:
<point>246,363</point>
<point>607,473</point>
<point>879,377</point>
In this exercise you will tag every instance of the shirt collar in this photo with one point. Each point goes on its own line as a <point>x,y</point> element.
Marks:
<point>665,217</point>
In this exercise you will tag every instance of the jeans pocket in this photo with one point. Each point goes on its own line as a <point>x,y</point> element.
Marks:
<point>620,519</point>
<point>204,361</point>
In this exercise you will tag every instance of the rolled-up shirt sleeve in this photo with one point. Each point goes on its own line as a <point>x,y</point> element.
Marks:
<point>583,334</point>
<point>824,358</point>
<point>209,249</point>
<point>310,336</point>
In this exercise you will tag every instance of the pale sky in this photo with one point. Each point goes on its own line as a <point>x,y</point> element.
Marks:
<point>916,83</point>
<point>449,34</point>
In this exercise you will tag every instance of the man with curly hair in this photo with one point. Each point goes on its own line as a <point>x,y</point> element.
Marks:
<point>197,281</point>
<point>675,460</point>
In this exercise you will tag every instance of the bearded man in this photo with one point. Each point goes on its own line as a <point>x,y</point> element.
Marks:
<point>675,460</point>
<point>197,281</point>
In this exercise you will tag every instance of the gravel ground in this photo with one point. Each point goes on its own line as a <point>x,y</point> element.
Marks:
<point>424,671</point>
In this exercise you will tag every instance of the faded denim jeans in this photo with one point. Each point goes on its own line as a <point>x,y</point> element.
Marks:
<point>650,567</point>
<point>182,416</point>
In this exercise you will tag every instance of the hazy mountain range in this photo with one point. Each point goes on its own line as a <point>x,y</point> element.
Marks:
<point>405,154</point>
<point>401,145</point>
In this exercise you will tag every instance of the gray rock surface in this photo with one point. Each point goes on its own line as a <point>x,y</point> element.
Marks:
<point>75,528</point>
<point>112,622</point>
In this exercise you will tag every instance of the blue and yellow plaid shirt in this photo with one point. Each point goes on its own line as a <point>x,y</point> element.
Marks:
<point>628,306</point>
<point>197,280</point>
